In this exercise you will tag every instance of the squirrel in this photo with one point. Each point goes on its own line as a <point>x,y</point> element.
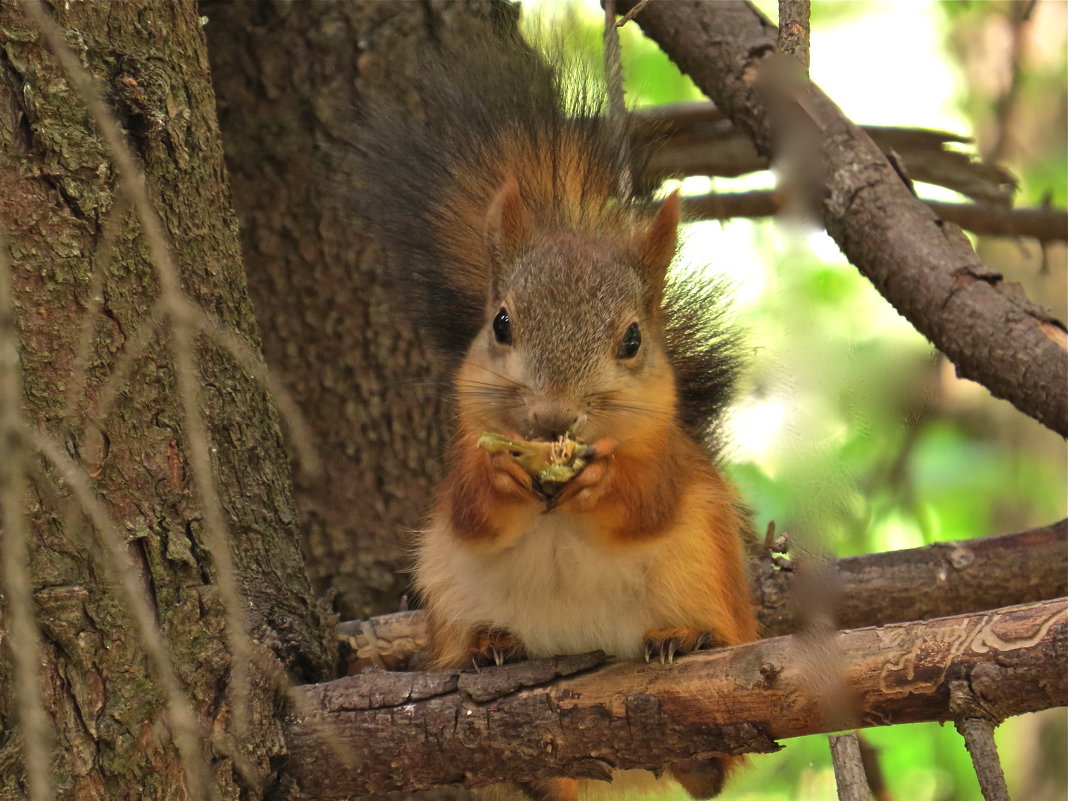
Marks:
<point>500,210</point>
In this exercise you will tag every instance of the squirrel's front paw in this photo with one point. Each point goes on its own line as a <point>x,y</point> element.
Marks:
<point>583,491</point>
<point>665,644</point>
<point>494,647</point>
<point>509,478</point>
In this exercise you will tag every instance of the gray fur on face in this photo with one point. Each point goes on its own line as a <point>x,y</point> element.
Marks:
<point>555,319</point>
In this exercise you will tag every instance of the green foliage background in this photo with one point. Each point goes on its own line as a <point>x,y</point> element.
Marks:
<point>875,445</point>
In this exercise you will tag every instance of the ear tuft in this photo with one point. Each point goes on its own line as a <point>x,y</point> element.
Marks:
<point>657,246</point>
<point>507,223</point>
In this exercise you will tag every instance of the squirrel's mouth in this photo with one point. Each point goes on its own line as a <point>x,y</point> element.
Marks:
<point>550,463</point>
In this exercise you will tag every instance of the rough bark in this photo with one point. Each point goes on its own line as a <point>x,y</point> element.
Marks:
<point>59,203</point>
<point>947,578</point>
<point>575,717</point>
<point>287,76</point>
<point>925,268</point>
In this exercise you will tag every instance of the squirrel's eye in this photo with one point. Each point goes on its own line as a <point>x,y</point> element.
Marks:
<point>502,327</point>
<point>632,340</point>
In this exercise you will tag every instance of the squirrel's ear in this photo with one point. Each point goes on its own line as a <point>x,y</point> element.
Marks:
<point>507,223</point>
<point>657,246</point>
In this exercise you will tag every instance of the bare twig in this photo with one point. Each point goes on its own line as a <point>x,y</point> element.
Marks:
<point>794,30</point>
<point>136,344</point>
<point>978,736</point>
<point>975,721</point>
<point>251,360</point>
<point>635,11</point>
<point>848,768</point>
<point>113,223</point>
<point>1045,225</point>
<point>25,646</point>
<point>123,574</point>
<point>245,355</point>
<point>698,139</point>
<point>617,110</point>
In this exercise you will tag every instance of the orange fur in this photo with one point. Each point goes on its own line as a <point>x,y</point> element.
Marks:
<point>643,548</point>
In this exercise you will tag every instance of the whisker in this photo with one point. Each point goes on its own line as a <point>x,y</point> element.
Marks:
<point>506,379</point>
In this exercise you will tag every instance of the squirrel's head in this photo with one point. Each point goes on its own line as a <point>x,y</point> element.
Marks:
<point>572,339</point>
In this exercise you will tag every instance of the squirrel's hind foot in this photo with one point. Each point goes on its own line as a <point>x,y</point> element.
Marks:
<point>665,644</point>
<point>491,646</point>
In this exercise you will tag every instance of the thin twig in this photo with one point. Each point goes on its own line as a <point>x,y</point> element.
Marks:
<point>133,184</point>
<point>123,575</point>
<point>136,344</point>
<point>617,110</point>
<point>794,30</point>
<point>301,436</point>
<point>25,636</point>
<point>251,360</point>
<point>632,13</point>
<point>1045,225</point>
<point>976,726</point>
<point>113,223</point>
<point>848,768</point>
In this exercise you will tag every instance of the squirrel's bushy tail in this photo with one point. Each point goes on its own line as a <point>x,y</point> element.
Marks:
<point>425,184</point>
<point>497,111</point>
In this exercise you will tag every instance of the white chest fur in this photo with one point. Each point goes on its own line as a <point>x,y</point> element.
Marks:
<point>557,591</point>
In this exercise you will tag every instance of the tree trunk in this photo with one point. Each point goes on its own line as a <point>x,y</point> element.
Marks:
<point>84,286</point>
<point>288,78</point>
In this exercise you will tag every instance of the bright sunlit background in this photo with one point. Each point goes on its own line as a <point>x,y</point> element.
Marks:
<point>852,432</point>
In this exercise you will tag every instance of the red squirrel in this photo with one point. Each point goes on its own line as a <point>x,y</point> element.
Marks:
<point>500,210</point>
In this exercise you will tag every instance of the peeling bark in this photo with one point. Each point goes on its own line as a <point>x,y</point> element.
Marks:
<point>573,716</point>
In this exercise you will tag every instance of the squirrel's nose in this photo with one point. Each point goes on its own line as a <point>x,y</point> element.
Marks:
<point>550,422</point>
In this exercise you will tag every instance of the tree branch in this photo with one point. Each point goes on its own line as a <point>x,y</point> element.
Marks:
<point>1045,225</point>
<point>849,768</point>
<point>976,726</point>
<point>955,577</point>
<point>926,269</point>
<point>794,30</point>
<point>698,139</point>
<point>572,716</point>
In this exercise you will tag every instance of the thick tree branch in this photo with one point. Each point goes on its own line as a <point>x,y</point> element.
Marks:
<point>947,578</point>
<point>1045,225</point>
<point>925,268</point>
<point>698,139</point>
<point>572,717</point>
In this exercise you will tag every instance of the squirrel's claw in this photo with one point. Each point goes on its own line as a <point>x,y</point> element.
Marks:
<point>585,489</point>
<point>666,644</point>
<point>494,647</point>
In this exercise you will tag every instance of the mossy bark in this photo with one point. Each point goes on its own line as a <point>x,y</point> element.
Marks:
<point>60,194</point>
